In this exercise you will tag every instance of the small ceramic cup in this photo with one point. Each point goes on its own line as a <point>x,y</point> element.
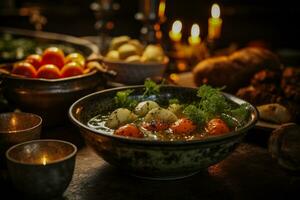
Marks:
<point>41,169</point>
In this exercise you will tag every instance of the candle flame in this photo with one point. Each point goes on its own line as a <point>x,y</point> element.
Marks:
<point>44,160</point>
<point>195,30</point>
<point>215,11</point>
<point>177,26</point>
<point>161,8</point>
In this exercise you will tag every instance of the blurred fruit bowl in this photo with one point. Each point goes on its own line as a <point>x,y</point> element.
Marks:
<point>50,98</point>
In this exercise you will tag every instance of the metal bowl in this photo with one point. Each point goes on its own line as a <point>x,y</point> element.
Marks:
<point>155,159</point>
<point>49,98</point>
<point>41,168</point>
<point>16,128</point>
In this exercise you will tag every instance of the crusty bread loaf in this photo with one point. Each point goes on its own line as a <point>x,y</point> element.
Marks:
<point>236,70</point>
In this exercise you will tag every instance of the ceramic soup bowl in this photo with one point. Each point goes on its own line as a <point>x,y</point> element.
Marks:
<point>155,159</point>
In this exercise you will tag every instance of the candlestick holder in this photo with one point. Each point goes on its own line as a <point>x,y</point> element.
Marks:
<point>212,45</point>
<point>183,57</point>
<point>104,11</point>
<point>151,14</point>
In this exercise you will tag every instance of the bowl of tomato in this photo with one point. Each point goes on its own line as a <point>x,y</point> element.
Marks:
<point>48,83</point>
<point>165,132</point>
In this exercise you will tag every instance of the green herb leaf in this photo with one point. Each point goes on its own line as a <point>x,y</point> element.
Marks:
<point>151,88</point>
<point>212,100</point>
<point>122,99</point>
<point>241,113</point>
<point>173,101</point>
<point>214,104</point>
<point>195,114</point>
<point>229,120</point>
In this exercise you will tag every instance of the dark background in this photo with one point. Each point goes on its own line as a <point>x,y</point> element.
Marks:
<point>275,23</point>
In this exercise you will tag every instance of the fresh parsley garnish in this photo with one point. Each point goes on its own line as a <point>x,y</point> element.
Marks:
<point>212,103</point>
<point>151,88</point>
<point>212,100</point>
<point>241,113</point>
<point>122,99</point>
<point>197,115</point>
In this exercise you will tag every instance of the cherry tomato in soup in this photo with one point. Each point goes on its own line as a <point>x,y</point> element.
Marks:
<point>217,127</point>
<point>75,57</point>
<point>71,69</point>
<point>129,130</point>
<point>53,55</point>
<point>48,71</point>
<point>35,60</point>
<point>155,126</point>
<point>25,69</point>
<point>183,126</point>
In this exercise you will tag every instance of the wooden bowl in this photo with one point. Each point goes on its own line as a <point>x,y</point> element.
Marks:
<point>49,98</point>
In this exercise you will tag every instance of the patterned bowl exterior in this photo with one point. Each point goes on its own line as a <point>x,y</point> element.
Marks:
<point>149,158</point>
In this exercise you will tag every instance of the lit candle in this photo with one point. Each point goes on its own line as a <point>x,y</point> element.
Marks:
<point>175,33</point>
<point>161,9</point>
<point>195,39</point>
<point>214,23</point>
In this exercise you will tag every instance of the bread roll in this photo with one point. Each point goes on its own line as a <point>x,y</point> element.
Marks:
<point>113,55</point>
<point>153,53</point>
<point>274,112</point>
<point>137,45</point>
<point>118,41</point>
<point>127,50</point>
<point>236,70</point>
<point>134,58</point>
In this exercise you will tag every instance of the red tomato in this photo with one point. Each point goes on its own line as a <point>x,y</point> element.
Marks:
<point>75,57</point>
<point>129,130</point>
<point>35,60</point>
<point>155,126</point>
<point>53,55</point>
<point>71,69</point>
<point>48,71</point>
<point>24,69</point>
<point>217,127</point>
<point>183,126</point>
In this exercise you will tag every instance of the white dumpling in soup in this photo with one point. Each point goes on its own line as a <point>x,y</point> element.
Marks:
<point>144,107</point>
<point>176,109</point>
<point>160,114</point>
<point>119,117</point>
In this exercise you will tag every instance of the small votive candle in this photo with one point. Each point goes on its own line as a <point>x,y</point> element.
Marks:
<point>195,39</point>
<point>214,23</point>
<point>175,33</point>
